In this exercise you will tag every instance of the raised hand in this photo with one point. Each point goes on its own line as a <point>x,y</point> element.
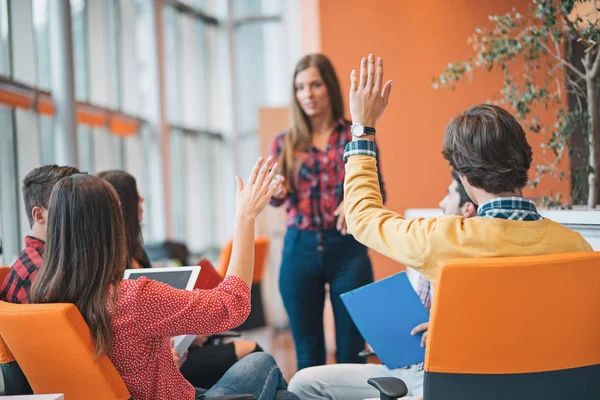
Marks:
<point>252,198</point>
<point>367,99</point>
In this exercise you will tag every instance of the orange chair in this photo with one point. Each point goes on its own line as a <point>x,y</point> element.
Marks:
<point>261,250</point>
<point>516,328</point>
<point>5,354</point>
<point>53,345</point>
<point>3,272</point>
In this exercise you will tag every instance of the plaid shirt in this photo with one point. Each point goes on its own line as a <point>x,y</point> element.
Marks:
<point>512,208</point>
<point>320,186</point>
<point>17,283</point>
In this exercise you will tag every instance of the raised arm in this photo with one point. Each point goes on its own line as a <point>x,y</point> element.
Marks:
<point>163,311</point>
<point>251,199</point>
<point>172,312</point>
<point>385,231</point>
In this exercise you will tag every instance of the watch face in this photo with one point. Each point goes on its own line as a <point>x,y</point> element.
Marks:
<point>357,130</point>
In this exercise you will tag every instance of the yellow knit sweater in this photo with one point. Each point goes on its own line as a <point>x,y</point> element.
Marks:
<point>423,243</point>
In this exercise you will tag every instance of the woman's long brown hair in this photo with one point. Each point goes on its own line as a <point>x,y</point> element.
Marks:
<point>298,137</point>
<point>86,253</point>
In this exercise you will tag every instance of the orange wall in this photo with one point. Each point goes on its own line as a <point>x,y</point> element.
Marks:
<point>417,39</point>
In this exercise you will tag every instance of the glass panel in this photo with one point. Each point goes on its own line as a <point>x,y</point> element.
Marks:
<point>10,193</point>
<point>250,78</point>
<point>193,73</point>
<point>219,81</point>
<point>224,189</point>
<point>97,43</point>
<point>114,55</point>
<point>23,44</point>
<point>107,150</point>
<point>29,153</point>
<point>147,63</point>
<point>213,8</point>
<point>155,205</point>
<point>134,164</point>
<point>41,25</point>
<point>245,8</point>
<point>199,193</point>
<point>179,194</point>
<point>84,145</point>
<point>171,33</point>
<point>129,67</point>
<point>4,39</point>
<point>80,56</point>
<point>47,139</point>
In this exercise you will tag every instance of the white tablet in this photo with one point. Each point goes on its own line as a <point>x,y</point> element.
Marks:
<point>178,277</point>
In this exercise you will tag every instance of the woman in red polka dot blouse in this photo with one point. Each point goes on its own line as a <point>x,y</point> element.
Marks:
<point>133,320</point>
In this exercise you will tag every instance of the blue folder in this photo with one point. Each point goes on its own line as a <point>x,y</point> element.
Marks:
<point>385,312</point>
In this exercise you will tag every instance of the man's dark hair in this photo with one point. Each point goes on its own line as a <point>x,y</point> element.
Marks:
<point>38,185</point>
<point>488,146</point>
<point>464,197</point>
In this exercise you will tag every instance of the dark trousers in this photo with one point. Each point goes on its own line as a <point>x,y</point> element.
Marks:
<point>15,382</point>
<point>310,260</point>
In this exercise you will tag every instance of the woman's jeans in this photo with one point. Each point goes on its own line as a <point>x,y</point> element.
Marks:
<point>310,260</point>
<point>256,374</point>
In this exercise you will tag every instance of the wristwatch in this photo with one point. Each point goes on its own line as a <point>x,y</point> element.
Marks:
<point>359,130</point>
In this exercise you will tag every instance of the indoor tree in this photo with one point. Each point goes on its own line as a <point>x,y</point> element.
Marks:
<point>550,60</point>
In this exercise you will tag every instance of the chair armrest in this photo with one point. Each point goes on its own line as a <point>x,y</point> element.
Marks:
<point>235,397</point>
<point>366,353</point>
<point>390,388</point>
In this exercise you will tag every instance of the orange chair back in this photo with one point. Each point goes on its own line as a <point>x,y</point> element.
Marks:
<point>3,272</point>
<point>261,251</point>
<point>5,354</point>
<point>518,327</point>
<point>53,346</point>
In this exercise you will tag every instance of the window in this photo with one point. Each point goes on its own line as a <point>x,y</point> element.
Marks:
<point>9,195</point>
<point>4,39</point>
<point>213,86</point>
<point>80,48</point>
<point>41,25</point>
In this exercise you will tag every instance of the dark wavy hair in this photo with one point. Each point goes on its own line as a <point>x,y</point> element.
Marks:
<point>126,187</point>
<point>487,145</point>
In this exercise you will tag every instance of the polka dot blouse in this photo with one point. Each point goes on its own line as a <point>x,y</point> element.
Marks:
<point>149,313</point>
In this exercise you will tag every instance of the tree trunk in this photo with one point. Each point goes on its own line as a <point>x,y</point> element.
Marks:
<point>592,107</point>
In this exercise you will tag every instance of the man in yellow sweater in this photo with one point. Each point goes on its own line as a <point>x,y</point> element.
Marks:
<point>488,149</point>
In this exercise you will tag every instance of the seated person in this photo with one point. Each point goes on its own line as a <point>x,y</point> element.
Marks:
<point>132,321</point>
<point>37,186</point>
<point>203,365</point>
<point>488,149</point>
<point>349,381</point>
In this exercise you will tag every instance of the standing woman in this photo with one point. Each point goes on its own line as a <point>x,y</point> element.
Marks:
<point>317,250</point>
